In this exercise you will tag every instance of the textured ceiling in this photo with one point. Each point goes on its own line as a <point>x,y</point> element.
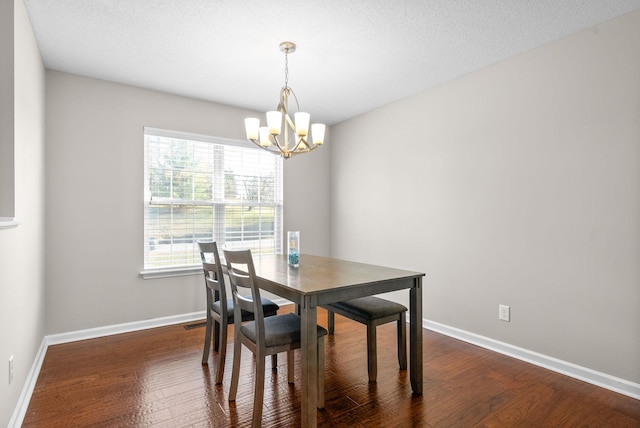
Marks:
<point>352,56</point>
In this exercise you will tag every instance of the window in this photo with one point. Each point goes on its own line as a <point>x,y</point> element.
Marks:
<point>199,188</point>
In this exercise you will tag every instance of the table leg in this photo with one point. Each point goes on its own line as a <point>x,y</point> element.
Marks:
<point>415,336</point>
<point>309,345</point>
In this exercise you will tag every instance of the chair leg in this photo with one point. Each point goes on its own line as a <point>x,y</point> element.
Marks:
<point>321,372</point>
<point>330,321</point>
<point>216,336</point>
<point>258,396</point>
<point>235,372</point>
<point>402,341</point>
<point>274,361</point>
<point>222,353</point>
<point>207,342</point>
<point>290,359</point>
<point>372,357</point>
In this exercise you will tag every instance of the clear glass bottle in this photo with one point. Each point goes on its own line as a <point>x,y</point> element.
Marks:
<point>293,239</point>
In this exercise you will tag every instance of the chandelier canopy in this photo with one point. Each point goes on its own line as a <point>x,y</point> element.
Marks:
<point>282,135</point>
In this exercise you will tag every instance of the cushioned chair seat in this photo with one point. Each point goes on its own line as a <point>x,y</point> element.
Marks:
<point>279,330</point>
<point>370,307</point>
<point>268,307</point>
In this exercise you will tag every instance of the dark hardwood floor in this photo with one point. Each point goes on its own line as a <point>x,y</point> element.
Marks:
<point>154,378</point>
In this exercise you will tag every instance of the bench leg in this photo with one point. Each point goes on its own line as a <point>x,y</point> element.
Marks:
<point>290,359</point>
<point>330,321</point>
<point>402,341</point>
<point>372,357</point>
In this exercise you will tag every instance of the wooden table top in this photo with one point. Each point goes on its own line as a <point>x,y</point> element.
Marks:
<point>318,275</point>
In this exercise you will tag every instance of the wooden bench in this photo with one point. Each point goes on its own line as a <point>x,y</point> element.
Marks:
<point>372,312</point>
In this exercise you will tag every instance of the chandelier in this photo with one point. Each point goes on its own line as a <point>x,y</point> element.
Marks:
<point>282,135</point>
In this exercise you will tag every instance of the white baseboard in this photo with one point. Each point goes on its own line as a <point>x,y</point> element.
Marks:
<point>54,339</point>
<point>603,380</point>
<point>25,396</point>
<point>585,374</point>
<point>30,383</point>
<point>109,330</point>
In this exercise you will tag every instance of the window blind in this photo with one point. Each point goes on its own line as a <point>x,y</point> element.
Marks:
<point>202,188</point>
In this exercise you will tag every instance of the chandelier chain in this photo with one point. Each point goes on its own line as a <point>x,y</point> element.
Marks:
<point>286,68</point>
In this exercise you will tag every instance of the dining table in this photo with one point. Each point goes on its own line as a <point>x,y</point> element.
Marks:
<point>320,280</point>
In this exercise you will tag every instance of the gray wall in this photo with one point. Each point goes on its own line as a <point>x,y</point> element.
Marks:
<point>518,184</point>
<point>7,182</point>
<point>95,200</point>
<point>22,290</point>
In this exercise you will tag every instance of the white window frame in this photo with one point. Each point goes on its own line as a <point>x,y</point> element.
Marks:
<point>218,202</point>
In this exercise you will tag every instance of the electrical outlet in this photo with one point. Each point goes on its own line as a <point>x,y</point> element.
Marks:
<point>10,369</point>
<point>504,313</point>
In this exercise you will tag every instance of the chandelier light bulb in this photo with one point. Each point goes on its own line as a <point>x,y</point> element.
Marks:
<point>251,125</point>
<point>274,122</point>
<point>302,123</point>
<point>265,141</point>
<point>317,132</point>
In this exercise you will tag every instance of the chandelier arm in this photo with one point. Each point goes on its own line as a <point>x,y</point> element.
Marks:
<point>306,143</point>
<point>283,107</point>
<point>281,147</point>
<point>295,98</point>
<point>286,154</point>
<point>289,121</point>
<point>277,149</point>
<point>257,143</point>
<point>304,151</point>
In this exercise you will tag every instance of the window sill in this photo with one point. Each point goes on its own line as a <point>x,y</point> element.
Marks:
<point>170,272</point>
<point>8,222</point>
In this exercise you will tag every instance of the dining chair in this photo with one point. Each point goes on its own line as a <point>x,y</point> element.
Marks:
<point>220,312</point>
<point>373,311</point>
<point>265,335</point>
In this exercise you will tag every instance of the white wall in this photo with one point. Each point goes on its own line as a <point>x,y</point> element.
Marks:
<point>95,200</point>
<point>22,290</point>
<point>518,184</point>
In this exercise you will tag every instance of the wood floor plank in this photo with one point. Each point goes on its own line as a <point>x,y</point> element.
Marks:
<point>154,378</point>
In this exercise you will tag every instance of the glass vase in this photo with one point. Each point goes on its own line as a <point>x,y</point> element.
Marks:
<point>293,252</point>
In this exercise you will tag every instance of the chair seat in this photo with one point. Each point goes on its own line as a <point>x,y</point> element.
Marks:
<point>269,308</point>
<point>369,307</point>
<point>279,330</point>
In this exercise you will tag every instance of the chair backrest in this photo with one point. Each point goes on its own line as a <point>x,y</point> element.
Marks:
<point>214,279</point>
<point>244,287</point>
